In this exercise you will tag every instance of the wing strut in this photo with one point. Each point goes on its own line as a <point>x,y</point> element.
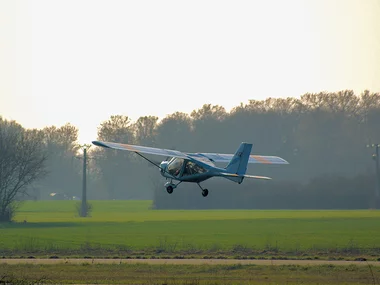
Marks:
<point>155,164</point>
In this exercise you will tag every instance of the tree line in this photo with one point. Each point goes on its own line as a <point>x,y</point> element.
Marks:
<point>323,136</point>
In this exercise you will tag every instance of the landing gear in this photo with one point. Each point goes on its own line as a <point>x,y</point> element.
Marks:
<point>170,186</point>
<point>204,191</point>
<point>169,189</point>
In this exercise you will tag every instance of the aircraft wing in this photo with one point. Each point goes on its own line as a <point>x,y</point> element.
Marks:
<point>207,158</point>
<point>218,157</point>
<point>142,149</point>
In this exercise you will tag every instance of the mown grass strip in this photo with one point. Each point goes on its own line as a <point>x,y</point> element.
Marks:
<point>87,273</point>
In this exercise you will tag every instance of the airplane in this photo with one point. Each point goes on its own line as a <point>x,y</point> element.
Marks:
<point>198,167</point>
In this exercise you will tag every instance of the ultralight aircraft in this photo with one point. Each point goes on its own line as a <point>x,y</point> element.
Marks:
<point>198,167</point>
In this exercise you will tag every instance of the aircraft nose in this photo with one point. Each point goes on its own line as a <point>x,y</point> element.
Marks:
<point>163,166</point>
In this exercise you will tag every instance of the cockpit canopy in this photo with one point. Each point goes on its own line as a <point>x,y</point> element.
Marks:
<point>183,167</point>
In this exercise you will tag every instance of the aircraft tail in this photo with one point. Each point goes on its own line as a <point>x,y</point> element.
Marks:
<point>238,163</point>
<point>237,167</point>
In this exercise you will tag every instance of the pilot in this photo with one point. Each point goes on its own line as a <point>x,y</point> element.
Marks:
<point>187,170</point>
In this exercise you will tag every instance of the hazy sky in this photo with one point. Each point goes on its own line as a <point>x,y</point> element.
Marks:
<point>82,61</point>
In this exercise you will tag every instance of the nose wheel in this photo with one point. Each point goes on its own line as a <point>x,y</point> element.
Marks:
<point>169,189</point>
<point>170,186</point>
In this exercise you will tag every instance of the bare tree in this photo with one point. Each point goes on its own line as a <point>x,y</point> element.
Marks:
<point>22,160</point>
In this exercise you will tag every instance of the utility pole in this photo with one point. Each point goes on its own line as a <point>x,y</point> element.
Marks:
<point>83,210</point>
<point>376,158</point>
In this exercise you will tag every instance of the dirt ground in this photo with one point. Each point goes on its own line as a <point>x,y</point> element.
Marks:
<point>188,261</point>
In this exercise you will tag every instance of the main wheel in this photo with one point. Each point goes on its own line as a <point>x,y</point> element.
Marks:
<point>169,189</point>
<point>204,192</point>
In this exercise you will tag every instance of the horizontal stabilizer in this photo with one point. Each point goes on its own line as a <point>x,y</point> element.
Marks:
<point>258,177</point>
<point>239,178</point>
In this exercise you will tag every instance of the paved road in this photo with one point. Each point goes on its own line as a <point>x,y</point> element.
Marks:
<point>188,261</point>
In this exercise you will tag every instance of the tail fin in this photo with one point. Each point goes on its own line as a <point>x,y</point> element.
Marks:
<point>238,163</point>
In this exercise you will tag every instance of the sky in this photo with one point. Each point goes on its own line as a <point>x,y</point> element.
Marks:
<point>82,61</point>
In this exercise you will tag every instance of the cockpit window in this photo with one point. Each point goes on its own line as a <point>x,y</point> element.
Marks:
<point>193,168</point>
<point>175,166</point>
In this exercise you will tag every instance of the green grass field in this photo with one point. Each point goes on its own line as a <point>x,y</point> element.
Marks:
<point>53,226</point>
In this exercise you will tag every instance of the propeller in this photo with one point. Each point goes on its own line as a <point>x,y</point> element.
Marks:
<point>158,162</point>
